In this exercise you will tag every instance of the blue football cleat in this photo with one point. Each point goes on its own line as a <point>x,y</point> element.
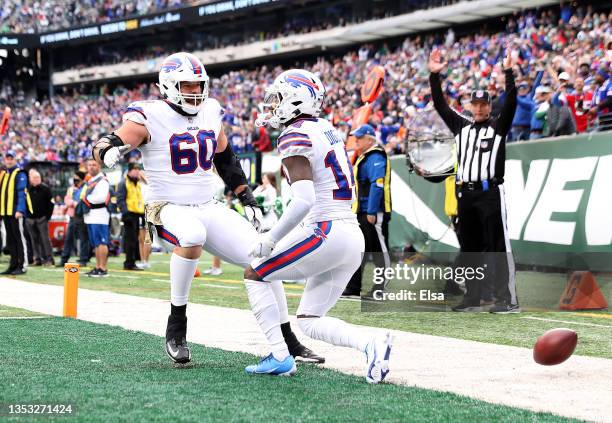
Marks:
<point>377,358</point>
<point>271,366</point>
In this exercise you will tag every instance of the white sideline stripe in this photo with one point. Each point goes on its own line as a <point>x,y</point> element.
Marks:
<point>204,284</point>
<point>83,274</point>
<point>566,322</point>
<point>499,374</point>
<point>218,286</point>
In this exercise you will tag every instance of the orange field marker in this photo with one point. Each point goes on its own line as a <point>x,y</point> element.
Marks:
<point>71,289</point>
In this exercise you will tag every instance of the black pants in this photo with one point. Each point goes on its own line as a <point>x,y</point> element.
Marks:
<point>483,236</point>
<point>376,241</point>
<point>131,247</point>
<point>38,228</point>
<point>15,240</point>
<point>77,230</point>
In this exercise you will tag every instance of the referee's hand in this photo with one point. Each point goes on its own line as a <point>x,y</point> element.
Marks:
<point>435,63</point>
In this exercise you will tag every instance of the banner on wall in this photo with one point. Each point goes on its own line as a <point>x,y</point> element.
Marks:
<point>558,194</point>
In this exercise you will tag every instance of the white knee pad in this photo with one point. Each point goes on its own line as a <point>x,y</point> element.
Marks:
<point>193,238</point>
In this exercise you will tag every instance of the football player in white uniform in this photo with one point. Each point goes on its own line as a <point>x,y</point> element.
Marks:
<point>181,137</point>
<point>317,238</point>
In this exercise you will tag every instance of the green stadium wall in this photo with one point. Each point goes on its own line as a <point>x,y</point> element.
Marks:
<point>558,196</point>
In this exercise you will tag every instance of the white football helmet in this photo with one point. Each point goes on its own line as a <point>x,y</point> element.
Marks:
<point>183,67</point>
<point>294,92</point>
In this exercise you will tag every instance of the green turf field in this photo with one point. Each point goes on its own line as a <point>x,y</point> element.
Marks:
<point>109,374</point>
<point>594,328</point>
<point>8,312</point>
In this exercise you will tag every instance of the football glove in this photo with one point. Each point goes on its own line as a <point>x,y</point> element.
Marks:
<point>112,157</point>
<point>254,215</point>
<point>263,247</point>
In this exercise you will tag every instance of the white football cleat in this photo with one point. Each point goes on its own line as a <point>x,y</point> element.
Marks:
<point>213,271</point>
<point>377,357</point>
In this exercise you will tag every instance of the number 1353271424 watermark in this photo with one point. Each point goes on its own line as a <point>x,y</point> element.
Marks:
<point>46,409</point>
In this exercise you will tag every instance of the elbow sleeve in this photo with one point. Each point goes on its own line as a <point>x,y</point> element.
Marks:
<point>303,199</point>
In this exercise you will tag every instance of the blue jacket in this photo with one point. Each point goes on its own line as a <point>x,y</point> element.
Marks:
<point>373,168</point>
<point>525,104</point>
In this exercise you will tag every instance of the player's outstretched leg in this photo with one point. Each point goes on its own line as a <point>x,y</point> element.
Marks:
<point>181,274</point>
<point>299,351</point>
<point>265,308</point>
<point>321,293</point>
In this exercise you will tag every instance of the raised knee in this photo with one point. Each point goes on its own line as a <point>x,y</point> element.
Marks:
<point>193,239</point>
<point>251,274</point>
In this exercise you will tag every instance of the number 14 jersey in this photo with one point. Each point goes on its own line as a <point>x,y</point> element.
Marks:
<point>319,142</point>
<point>178,159</point>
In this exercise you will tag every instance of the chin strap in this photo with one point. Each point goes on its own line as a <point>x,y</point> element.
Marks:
<point>179,110</point>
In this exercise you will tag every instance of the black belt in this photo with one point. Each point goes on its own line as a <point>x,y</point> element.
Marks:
<point>479,185</point>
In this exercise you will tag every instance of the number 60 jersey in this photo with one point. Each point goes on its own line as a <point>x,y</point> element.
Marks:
<point>178,159</point>
<point>318,141</point>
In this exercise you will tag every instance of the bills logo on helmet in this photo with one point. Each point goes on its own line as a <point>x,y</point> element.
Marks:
<point>172,64</point>
<point>197,69</point>
<point>296,79</point>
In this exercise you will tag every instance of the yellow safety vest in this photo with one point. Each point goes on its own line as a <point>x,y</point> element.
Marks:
<point>133,198</point>
<point>386,180</point>
<point>8,194</point>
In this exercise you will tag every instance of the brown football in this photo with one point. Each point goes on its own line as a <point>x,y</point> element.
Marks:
<point>555,346</point>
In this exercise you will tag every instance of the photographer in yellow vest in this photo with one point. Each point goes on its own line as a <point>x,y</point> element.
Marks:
<point>131,205</point>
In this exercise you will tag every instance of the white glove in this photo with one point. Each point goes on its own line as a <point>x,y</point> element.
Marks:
<point>263,247</point>
<point>112,157</point>
<point>253,215</point>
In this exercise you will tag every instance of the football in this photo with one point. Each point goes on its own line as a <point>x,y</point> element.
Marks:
<point>555,346</point>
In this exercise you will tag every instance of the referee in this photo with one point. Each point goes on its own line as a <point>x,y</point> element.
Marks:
<point>481,155</point>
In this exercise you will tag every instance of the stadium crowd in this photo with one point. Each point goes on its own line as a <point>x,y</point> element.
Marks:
<point>563,78</point>
<point>32,16</point>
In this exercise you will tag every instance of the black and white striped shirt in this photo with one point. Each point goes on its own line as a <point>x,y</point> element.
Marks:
<point>481,146</point>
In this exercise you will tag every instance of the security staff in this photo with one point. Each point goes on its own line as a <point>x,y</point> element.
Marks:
<point>372,173</point>
<point>14,205</point>
<point>481,155</point>
<point>131,205</point>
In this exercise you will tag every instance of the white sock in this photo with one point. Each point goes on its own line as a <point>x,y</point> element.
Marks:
<point>281,300</point>
<point>334,331</point>
<point>265,309</point>
<point>181,275</point>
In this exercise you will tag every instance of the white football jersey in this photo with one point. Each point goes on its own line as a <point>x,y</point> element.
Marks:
<point>320,143</point>
<point>178,159</point>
